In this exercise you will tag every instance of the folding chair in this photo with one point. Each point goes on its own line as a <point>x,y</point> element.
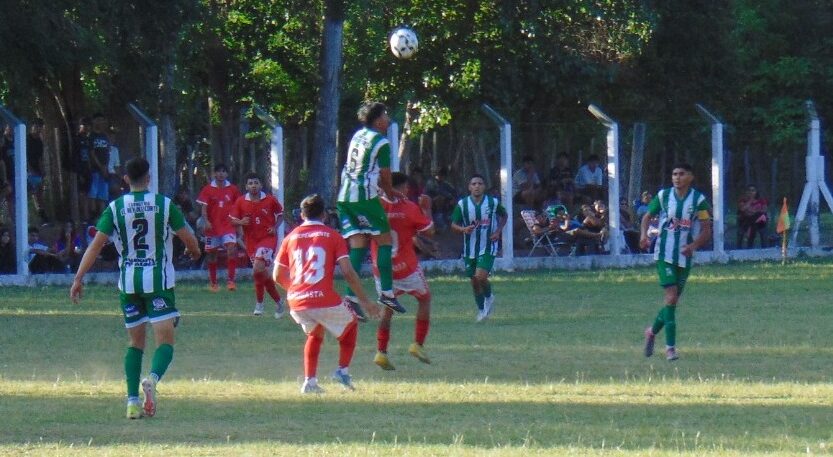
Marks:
<point>541,240</point>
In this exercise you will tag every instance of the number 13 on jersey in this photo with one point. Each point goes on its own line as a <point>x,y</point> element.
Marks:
<point>309,264</point>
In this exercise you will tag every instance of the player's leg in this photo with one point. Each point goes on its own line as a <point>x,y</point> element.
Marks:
<point>135,321</point>
<point>346,347</point>
<point>261,269</point>
<point>484,269</point>
<point>668,280</point>
<point>383,335</point>
<point>312,348</point>
<point>423,320</point>
<point>258,272</point>
<point>230,242</point>
<point>212,243</point>
<point>164,317</point>
<point>476,286</point>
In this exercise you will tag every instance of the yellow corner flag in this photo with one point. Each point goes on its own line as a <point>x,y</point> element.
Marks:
<point>783,219</point>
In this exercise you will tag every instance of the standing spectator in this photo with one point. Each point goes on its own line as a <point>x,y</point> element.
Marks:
<point>216,200</point>
<point>590,179</point>
<point>480,218</point>
<point>642,205</point>
<point>526,184</point>
<point>81,166</point>
<point>41,258</point>
<point>114,173</point>
<point>629,228</point>
<point>561,179</point>
<point>34,165</point>
<point>70,247</point>
<point>8,253</point>
<point>99,194</point>
<point>752,218</point>
<point>443,198</point>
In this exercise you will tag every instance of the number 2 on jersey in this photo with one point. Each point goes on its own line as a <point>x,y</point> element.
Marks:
<point>309,265</point>
<point>141,227</point>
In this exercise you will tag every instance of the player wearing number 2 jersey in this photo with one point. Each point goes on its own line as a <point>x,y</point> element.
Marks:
<point>304,267</point>
<point>260,215</point>
<point>406,219</point>
<point>140,225</point>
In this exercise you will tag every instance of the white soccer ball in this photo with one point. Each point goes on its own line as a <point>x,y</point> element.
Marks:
<point>403,43</point>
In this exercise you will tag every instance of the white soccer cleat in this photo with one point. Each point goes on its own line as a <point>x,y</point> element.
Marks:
<point>279,309</point>
<point>488,305</point>
<point>258,309</point>
<point>481,315</point>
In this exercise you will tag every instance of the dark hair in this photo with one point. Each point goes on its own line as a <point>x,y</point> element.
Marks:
<point>592,158</point>
<point>397,178</point>
<point>252,175</point>
<point>371,111</point>
<point>137,168</point>
<point>477,175</point>
<point>220,167</point>
<point>312,207</point>
<point>685,166</point>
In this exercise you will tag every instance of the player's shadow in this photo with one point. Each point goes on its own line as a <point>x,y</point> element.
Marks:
<point>352,418</point>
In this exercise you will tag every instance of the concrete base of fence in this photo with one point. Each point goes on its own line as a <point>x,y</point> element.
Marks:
<point>450,266</point>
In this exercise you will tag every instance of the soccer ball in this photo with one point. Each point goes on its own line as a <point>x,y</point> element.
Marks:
<point>403,43</point>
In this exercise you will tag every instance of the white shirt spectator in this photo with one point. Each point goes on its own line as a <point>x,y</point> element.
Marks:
<point>586,176</point>
<point>522,177</point>
<point>114,160</point>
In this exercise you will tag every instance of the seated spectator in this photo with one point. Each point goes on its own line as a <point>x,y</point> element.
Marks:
<point>41,258</point>
<point>526,184</point>
<point>8,253</point>
<point>752,218</point>
<point>630,227</point>
<point>590,232</point>
<point>444,196</point>
<point>589,180</point>
<point>642,206</point>
<point>561,182</point>
<point>70,247</point>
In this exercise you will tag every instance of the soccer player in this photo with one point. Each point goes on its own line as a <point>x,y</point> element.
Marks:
<point>305,264</point>
<point>366,171</point>
<point>480,218</point>
<point>260,215</point>
<point>685,226</point>
<point>140,224</point>
<point>406,219</point>
<point>216,199</point>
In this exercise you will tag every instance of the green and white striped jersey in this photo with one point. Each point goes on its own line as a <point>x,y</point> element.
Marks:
<point>369,151</point>
<point>679,223</point>
<point>485,216</point>
<point>141,225</point>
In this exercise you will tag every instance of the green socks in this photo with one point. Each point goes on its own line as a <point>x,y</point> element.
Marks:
<point>385,266</point>
<point>161,359</point>
<point>357,256</point>
<point>665,318</point>
<point>487,289</point>
<point>479,299</point>
<point>133,370</point>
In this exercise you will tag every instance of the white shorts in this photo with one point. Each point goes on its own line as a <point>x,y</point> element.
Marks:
<point>265,254</point>
<point>216,242</point>
<point>334,318</point>
<point>414,284</point>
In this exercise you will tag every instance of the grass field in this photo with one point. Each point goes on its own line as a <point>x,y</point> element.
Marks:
<point>557,370</point>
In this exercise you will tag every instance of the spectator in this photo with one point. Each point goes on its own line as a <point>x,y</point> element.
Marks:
<point>642,206</point>
<point>590,233</point>
<point>561,179</point>
<point>526,184</point>
<point>81,165</point>
<point>590,180</point>
<point>752,218</point>
<point>8,253</point>
<point>183,200</point>
<point>41,258</point>
<point>70,247</point>
<point>117,186</point>
<point>630,229</point>
<point>444,197</point>
<point>99,193</point>
<point>416,184</point>
<point>34,165</point>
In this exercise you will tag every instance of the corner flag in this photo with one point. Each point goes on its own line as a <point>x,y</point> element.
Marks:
<point>783,219</point>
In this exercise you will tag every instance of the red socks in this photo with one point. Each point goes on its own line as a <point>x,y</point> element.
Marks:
<point>421,331</point>
<point>232,268</point>
<point>212,272</point>
<point>347,344</point>
<point>258,278</point>
<point>382,338</point>
<point>311,350</point>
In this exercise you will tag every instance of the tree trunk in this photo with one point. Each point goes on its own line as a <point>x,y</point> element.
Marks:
<point>322,179</point>
<point>636,160</point>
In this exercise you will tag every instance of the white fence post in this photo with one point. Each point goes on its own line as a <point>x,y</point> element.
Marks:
<point>718,184</point>
<point>505,184</point>
<point>151,143</point>
<point>612,177</point>
<point>277,161</point>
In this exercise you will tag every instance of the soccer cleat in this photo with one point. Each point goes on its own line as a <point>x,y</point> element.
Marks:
<point>231,286</point>
<point>258,309</point>
<point>214,287</point>
<point>418,351</point>
<point>649,342</point>
<point>134,410</point>
<point>311,388</point>
<point>481,315</point>
<point>382,360</point>
<point>149,389</point>
<point>671,354</point>
<point>279,310</point>
<point>344,379</point>
<point>392,303</point>
<point>354,307</point>
<point>488,302</point>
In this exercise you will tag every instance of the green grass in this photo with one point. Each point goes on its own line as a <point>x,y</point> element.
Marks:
<point>557,370</point>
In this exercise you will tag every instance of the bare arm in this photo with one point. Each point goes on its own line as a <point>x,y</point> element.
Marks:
<point>191,245</point>
<point>501,222</point>
<point>204,214</point>
<point>644,242</point>
<point>76,291</point>
<point>386,184</point>
<point>280,274</point>
<point>355,283</point>
<point>702,238</point>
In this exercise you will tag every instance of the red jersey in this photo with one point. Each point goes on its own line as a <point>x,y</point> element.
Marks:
<point>263,216</point>
<point>311,252</point>
<point>406,219</point>
<point>219,201</point>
